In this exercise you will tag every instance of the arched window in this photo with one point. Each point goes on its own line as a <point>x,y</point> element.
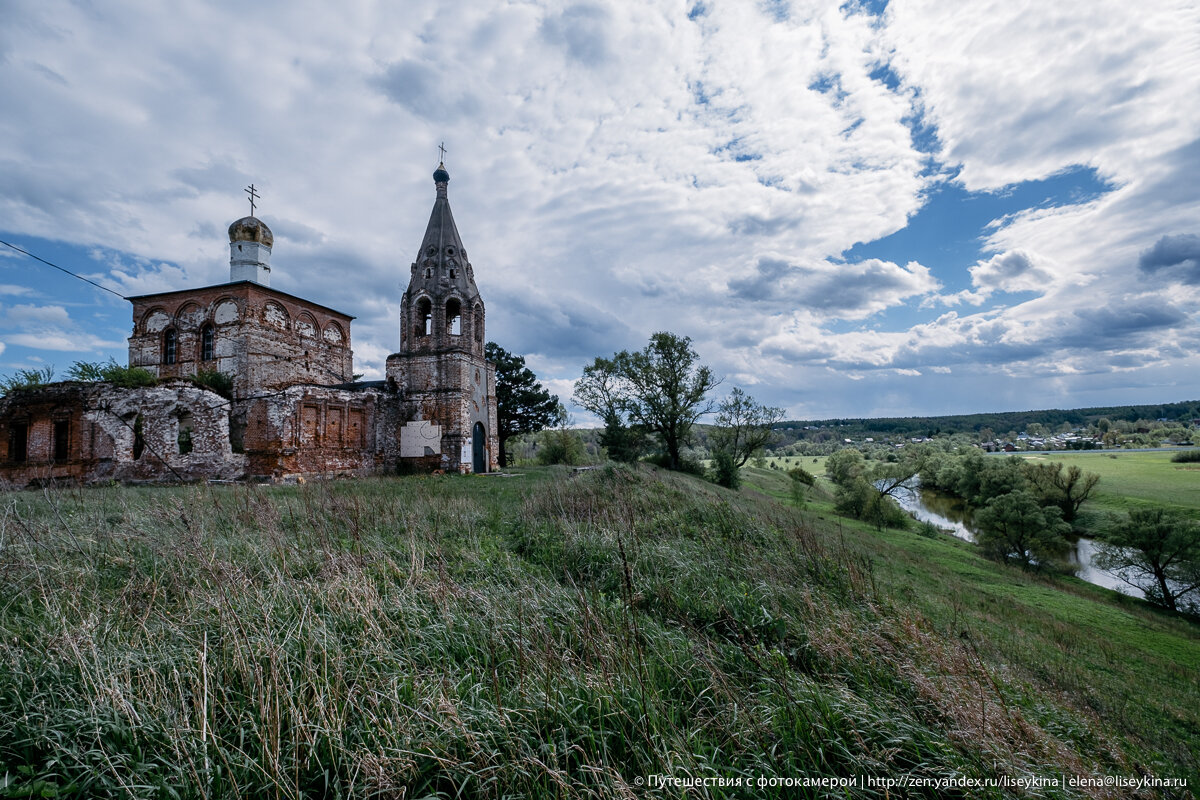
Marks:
<point>208,340</point>
<point>454,316</point>
<point>170,341</point>
<point>424,320</point>
<point>479,324</point>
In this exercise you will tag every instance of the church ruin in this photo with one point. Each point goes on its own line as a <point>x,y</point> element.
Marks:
<point>294,409</point>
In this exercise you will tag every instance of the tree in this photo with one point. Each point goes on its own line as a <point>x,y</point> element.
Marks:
<point>1159,553</point>
<point>522,405</point>
<point>1013,527</point>
<point>1066,490</point>
<point>560,444</point>
<point>600,391</point>
<point>891,476</point>
<point>744,426</point>
<point>844,466</point>
<point>661,388</point>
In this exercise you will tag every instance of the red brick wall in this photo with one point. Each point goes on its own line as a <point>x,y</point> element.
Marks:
<point>265,339</point>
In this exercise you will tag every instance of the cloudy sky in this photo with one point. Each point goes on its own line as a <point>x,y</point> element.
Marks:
<point>867,209</point>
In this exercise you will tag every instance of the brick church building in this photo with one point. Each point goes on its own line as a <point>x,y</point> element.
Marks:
<point>294,409</point>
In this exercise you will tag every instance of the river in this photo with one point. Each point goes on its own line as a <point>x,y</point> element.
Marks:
<point>950,514</point>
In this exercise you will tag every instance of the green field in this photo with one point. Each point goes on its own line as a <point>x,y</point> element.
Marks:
<point>554,634</point>
<point>1133,479</point>
<point>1128,479</point>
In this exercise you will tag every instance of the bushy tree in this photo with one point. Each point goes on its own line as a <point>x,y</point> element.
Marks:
<point>743,426</point>
<point>26,378</point>
<point>600,390</point>
<point>1066,489</point>
<point>725,470</point>
<point>112,372</point>
<point>1158,552</point>
<point>522,404</point>
<point>1000,476</point>
<point>801,478</point>
<point>560,444</point>
<point>216,381</point>
<point>892,476</point>
<point>844,466</point>
<point>1013,527</point>
<point>861,499</point>
<point>662,389</point>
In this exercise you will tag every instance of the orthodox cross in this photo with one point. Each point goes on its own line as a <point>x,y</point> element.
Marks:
<point>253,196</point>
<point>442,149</point>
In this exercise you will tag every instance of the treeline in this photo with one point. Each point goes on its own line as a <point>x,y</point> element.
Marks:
<point>1053,419</point>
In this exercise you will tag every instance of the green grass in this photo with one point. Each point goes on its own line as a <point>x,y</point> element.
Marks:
<point>1138,479</point>
<point>555,634</point>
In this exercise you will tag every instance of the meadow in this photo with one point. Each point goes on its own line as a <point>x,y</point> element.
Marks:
<point>555,634</point>
<point>1129,479</point>
<point>1138,478</point>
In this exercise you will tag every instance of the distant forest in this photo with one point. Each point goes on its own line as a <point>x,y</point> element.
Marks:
<point>1051,419</point>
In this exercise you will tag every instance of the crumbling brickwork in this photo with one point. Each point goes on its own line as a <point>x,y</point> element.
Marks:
<point>294,410</point>
<point>314,430</point>
<point>440,368</point>
<point>174,431</point>
<point>265,339</point>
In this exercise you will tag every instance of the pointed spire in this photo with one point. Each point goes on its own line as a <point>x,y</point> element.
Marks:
<point>442,278</point>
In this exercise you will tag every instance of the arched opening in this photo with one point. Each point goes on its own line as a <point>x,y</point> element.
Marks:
<point>170,344</point>
<point>424,315</point>
<point>478,324</point>
<point>478,449</point>
<point>139,438</point>
<point>208,341</point>
<point>454,316</point>
<point>184,436</point>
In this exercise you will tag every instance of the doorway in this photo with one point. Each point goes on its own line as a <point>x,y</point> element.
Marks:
<point>478,449</point>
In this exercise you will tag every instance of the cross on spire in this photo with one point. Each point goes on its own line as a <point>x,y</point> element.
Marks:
<point>442,150</point>
<point>253,196</point>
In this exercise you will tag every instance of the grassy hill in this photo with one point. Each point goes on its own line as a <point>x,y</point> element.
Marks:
<point>556,634</point>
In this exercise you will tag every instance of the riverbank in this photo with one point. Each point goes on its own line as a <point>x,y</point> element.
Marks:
<point>950,515</point>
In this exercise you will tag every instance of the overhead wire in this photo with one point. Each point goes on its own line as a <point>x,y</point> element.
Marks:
<point>62,269</point>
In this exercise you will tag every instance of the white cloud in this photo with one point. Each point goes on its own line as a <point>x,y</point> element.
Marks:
<point>618,168</point>
<point>1013,271</point>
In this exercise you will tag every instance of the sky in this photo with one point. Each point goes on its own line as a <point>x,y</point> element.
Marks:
<point>862,209</point>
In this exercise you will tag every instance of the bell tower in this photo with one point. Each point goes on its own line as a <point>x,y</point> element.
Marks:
<point>441,310</point>
<point>440,370</point>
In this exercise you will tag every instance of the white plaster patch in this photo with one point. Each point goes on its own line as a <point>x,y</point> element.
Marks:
<point>420,438</point>
<point>191,317</point>
<point>226,311</point>
<point>305,327</point>
<point>156,322</point>
<point>275,315</point>
<point>333,334</point>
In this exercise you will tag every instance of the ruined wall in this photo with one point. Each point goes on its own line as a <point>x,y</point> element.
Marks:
<point>170,432</point>
<point>453,390</point>
<point>317,430</point>
<point>265,339</point>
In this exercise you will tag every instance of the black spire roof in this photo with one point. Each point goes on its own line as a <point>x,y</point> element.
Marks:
<point>441,265</point>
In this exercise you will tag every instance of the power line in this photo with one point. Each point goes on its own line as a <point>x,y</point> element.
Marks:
<point>62,269</point>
